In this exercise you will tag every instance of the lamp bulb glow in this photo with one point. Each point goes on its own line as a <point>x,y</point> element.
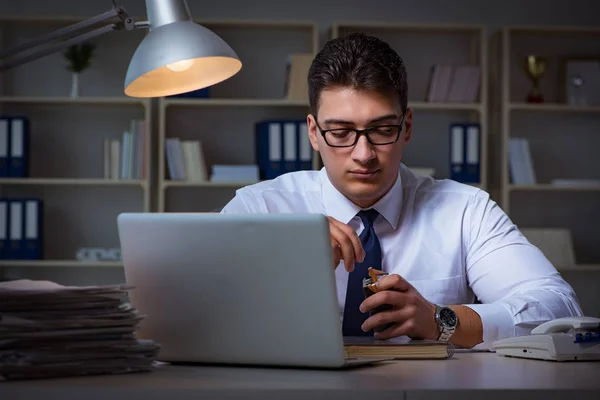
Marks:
<point>180,65</point>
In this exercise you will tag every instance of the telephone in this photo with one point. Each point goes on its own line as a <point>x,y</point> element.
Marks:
<point>562,339</point>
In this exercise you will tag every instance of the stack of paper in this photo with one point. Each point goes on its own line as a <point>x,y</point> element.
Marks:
<point>48,330</point>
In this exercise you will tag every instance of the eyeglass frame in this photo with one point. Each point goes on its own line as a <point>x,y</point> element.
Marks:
<point>360,132</point>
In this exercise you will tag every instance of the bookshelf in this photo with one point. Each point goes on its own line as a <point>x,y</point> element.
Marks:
<point>421,46</point>
<point>224,122</point>
<point>562,149</point>
<point>66,148</point>
<point>562,140</point>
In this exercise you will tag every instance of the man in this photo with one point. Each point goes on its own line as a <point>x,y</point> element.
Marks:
<point>444,244</point>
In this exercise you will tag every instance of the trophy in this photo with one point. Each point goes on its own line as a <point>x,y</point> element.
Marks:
<point>535,67</point>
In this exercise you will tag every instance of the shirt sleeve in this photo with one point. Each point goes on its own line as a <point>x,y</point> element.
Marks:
<point>516,284</point>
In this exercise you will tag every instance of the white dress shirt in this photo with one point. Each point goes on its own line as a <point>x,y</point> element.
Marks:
<point>449,240</point>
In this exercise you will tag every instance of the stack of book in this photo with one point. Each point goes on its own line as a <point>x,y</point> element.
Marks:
<point>48,330</point>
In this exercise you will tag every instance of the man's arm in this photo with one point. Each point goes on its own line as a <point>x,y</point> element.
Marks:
<point>516,284</point>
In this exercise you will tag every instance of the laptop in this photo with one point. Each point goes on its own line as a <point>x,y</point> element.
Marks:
<point>245,289</point>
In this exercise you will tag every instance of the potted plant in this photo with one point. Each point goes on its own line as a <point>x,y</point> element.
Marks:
<point>79,57</point>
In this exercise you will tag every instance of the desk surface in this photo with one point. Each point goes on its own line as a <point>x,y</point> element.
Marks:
<point>491,373</point>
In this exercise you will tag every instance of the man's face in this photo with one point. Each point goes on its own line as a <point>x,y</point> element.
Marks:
<point>364,172</point>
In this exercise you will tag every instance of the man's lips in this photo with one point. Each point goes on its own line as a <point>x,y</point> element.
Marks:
<point>364,172</point>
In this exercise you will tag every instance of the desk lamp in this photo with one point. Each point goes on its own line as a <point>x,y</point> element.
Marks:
<point>176,56</point>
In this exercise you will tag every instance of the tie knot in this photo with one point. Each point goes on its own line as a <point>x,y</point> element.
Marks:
<point>368,216</point>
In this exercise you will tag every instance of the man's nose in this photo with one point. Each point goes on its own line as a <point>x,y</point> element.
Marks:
<point>363,150</point>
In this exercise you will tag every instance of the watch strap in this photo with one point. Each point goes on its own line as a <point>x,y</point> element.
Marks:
<point>445,332</point>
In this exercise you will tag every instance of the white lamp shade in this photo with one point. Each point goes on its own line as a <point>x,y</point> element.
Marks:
<point>179,57</point>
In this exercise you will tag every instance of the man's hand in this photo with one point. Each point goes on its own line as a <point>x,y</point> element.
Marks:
<point>345,244</point>
<point>411,314</point>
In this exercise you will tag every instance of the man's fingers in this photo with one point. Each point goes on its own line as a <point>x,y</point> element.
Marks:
<point>389,297</point>
<point>344,233</point>
<point>348,241</point>
<point>345,246</point>
<point>398,317</point>
<point>394,282</point>
<point>337,254</point>
<point>403,327</point>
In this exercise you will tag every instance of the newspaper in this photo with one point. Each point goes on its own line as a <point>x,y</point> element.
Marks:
<point>48,330</point>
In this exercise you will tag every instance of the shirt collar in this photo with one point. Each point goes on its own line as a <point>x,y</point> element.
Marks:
<point>342,209</point>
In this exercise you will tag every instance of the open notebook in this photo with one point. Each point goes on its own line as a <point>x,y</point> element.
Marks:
<point>399,348</point>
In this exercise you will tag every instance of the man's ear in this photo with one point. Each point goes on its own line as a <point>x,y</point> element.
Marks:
<point>408,125</point>
<point>312,131</point>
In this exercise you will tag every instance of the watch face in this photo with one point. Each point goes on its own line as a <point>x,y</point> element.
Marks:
<point>448,317</point>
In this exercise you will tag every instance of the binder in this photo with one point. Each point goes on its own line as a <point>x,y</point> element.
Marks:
<point>4,145</point>
<point>15,229</point>
<point>32,229</point>
<point>457,152</point>
<point>269,149</point>
<point>290,146</point>
<point>473,155</point>
<point>19,147</point>
<point>305,151</point>
<point>4,229</point>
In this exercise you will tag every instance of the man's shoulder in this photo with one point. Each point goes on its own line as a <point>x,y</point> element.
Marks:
<point>290,182</point>
<point>426,186</point>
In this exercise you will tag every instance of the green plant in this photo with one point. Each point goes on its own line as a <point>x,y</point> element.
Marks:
<point>79,56</point>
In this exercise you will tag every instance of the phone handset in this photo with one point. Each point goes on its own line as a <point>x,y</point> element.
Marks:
<point>566,324</point>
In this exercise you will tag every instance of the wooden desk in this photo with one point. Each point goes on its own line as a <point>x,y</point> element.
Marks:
<point>467,375</point>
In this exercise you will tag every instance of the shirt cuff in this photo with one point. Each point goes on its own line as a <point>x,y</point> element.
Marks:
<point>497,323</point>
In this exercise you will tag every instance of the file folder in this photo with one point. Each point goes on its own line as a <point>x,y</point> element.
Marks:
<point>473,149</point>
<point>457,152</point>
<point>15,230</point>
<point>306,154</point>
<point>4,229</point>
<point>19,147</point>
<point>290,146</point>
<point>269,149</point>
<point>4,146</point>
<point>32,230</point>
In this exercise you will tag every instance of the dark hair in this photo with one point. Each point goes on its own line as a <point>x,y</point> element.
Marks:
<point>358,61</point>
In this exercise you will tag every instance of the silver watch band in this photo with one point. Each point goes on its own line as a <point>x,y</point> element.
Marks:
<point>445,332</point>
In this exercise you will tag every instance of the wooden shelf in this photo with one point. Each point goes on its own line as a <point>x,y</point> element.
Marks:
<point>83,101</point>
<point>234,102</point>
<point>169,183</point>
<point>417,105</point>
<point>558,188</point>
<point>554,108</point>
<point>409,27</point>
<point>552,29</point>
<point>423,105</point>
<point>581,268</point>
<point>71,181</point>
<point>59,263</point>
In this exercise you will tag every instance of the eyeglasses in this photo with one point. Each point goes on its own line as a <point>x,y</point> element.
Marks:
<point>348,137</point>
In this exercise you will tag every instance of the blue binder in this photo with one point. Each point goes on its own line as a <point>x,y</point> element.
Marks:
<point>19,147</point>
<point>15,230</point>
<point>4,221</point>
<point>4,145</point>
<point>33,217</point>
<point>457,152</point>
<point>269,149</point>
<point>472,153</point>
<point>465,152</point>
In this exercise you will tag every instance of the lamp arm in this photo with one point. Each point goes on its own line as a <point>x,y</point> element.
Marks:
<point>125,22</point>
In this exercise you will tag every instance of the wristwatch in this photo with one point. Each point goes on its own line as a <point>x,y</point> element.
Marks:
<point>447,321</point>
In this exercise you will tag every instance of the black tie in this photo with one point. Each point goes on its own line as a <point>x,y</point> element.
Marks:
<point>353,318</point>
